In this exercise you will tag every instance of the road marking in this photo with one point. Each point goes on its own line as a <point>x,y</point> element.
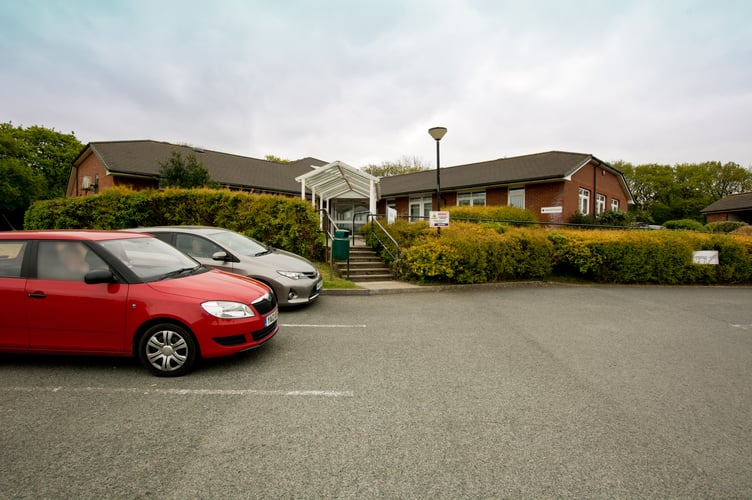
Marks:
<point>743,327</point>
<point>289,325</point>
<point>183,392</point>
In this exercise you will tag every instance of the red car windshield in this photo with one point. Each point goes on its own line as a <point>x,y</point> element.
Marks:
<point>149,258</point>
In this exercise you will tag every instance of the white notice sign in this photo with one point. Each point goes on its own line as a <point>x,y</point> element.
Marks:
<point>707,257</point>
<point>438,219</point>
<point>552,210</point>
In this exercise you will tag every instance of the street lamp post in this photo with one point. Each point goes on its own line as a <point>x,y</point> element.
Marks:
<point>437,133</point>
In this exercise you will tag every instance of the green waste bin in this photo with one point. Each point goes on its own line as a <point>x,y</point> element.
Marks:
<point>341,245</point>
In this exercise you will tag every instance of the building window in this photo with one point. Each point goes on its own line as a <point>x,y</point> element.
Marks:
<point>420,207</point>
<point>517,198</point>
<point>584,201</point>
<point>474,199</point>
<point>614,205</point>
<point>600,203</point>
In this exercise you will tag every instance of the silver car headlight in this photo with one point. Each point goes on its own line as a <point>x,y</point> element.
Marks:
<point>293,275</point>
<point>227,310</point>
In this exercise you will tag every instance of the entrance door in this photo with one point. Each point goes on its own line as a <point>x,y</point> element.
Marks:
<point>344,210</point>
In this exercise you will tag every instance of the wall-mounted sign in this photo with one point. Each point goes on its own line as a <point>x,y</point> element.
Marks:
<point>552,210</point>
<point>438,219</point>
<point>706,257</point>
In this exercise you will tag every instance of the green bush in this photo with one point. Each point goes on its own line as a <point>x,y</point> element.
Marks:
<point>496,213</point>
<point>686,224</point>
<point>468,253</point>
<point>650,256</point>
<point>286,223</point>
<point>471,253</point>
<point>724,226</point>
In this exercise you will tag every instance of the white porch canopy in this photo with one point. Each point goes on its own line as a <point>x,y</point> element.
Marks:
<point>338,179</point>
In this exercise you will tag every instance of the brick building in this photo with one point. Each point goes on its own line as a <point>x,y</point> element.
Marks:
<point>737,207</point>
<point>136,164</point>
<point>554,185</point>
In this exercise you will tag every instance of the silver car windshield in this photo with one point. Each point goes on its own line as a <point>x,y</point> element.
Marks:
<point>150,259</point>
<point>239,244</point>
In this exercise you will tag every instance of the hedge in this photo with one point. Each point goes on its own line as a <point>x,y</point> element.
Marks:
<point>286,223</point>
<point>687,224</point>
<point>724,226</point>
<point>470,253</point>
<point>495,213</point>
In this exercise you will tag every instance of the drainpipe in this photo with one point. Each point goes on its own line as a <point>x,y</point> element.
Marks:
<point>595,187</point>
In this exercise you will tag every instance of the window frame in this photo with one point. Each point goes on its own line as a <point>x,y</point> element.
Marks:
<point>20,257</point>
<point>474,198</point>
<point>600,203</point>
<point>615,205</point>
<point>421,201</point>
<point>583,201</point>
<point>517,191</point>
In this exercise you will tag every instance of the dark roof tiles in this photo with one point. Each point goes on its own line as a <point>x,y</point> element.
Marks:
<point>528,168</point>
<point>144,158</point>
<point>732,203</point>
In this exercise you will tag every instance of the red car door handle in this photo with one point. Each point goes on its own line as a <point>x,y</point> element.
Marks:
<point>37,295</point>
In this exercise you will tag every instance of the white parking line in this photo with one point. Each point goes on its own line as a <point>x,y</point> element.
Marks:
<point>289,325</point>
<point>743,327</point>
<point>182,392</point>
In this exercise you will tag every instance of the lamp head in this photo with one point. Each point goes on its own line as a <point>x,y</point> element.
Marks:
<point>437,132</point>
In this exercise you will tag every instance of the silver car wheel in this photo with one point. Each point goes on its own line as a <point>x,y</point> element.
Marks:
<point>167,350</point>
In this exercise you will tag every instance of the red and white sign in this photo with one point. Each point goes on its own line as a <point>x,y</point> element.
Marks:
<point>438,218</point>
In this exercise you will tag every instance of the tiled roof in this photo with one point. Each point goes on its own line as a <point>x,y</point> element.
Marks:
<point>732,203</point>
<point>143,158</point>
<point>518,169</point>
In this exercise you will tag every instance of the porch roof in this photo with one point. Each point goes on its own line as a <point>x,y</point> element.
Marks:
<point>337,179</point>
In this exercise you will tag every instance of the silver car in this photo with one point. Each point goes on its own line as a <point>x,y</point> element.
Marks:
<point>294,280</point>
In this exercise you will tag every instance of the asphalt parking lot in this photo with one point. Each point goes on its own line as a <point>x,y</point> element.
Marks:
<point>562,391</point>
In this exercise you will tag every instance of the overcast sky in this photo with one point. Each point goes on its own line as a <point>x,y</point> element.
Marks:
<point>361,81</point>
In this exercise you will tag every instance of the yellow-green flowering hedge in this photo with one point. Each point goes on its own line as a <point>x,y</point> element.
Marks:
<point>286,223</point>
<point>470,253</point>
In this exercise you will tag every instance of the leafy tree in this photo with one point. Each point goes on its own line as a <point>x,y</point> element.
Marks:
<point>276,159</point>
<point>19,185</point>
<point>664,192</point>
<point>405,165</point>
<point>47,152</point>
<point>184,173</point>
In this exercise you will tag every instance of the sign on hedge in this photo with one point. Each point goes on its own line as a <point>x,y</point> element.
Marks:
<point>705,257</point>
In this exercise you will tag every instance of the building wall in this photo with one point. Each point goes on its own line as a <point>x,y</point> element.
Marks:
<point>719,217</point>
<point>92,167</point>
<point>497,196</point>
<point>742,216</point>
<point>598,181</point>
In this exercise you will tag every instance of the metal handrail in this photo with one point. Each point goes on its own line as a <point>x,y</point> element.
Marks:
<point>328,224</point>
<point>374,221</point>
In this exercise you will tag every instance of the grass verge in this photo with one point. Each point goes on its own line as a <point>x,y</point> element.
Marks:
<point>331,279</point>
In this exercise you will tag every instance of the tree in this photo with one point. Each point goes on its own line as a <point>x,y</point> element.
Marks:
<point>663,192</point>
<point>47,152</point>
<point>276,159</point>
<point>184,173</point>
<point>405,165</point>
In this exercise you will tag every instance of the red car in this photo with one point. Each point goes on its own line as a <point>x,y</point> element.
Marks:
<point>123,294</point>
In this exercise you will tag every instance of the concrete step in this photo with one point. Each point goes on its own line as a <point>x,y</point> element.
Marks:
<point>370,262</point>
<point>372,277</point>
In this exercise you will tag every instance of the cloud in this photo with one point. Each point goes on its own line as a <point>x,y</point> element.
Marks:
<point>362,82</point>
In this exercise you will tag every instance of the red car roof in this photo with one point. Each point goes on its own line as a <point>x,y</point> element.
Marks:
<point>70,234</point>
